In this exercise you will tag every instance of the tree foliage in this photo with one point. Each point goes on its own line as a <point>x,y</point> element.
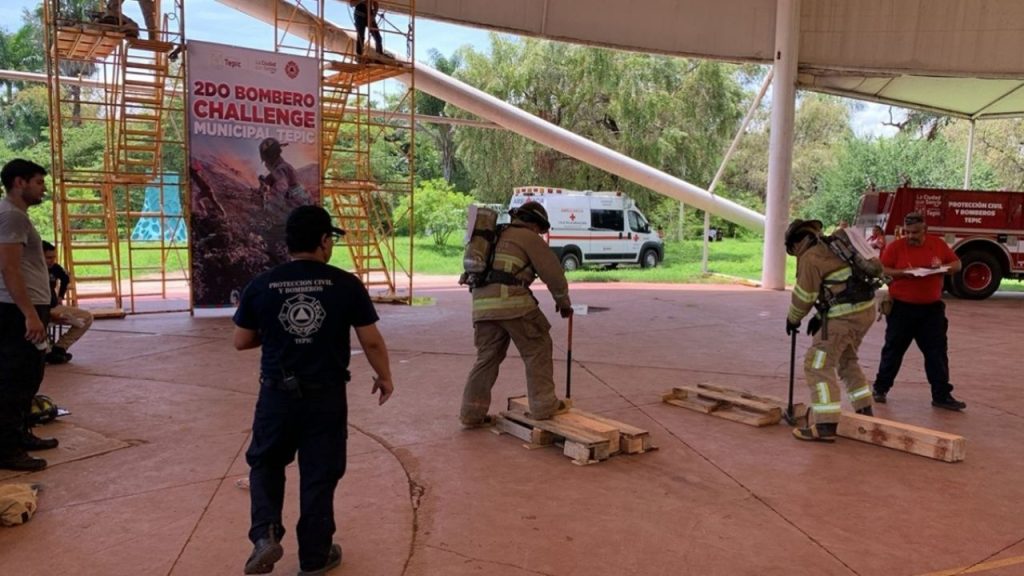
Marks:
<point>887,163</point>
<point>439,210</point>
<point>671,113</point>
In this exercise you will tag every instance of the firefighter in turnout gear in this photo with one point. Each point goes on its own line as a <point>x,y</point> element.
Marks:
<point>505,309</point>
<point>838,327</point>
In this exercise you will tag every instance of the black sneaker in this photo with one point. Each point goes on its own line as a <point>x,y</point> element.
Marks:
<point>333,561</point>
<point>22,463</point>
<point>866,411</point>
<point>878,396</point>
<point>265,553</point>
<point>33,443</point>
<point>58,355</point>
<point>949,403</point>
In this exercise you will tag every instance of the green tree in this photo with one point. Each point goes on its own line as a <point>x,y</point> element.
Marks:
<point>439,210</point>
<point>442,135</point>
<point>671,113</point>
<point>886,163</point>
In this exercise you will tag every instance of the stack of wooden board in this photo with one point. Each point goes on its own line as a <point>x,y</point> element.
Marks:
<point>586,438</point>
<point>730,404</point>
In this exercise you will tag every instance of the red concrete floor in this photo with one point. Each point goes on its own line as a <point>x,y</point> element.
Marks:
<point>144,483</point>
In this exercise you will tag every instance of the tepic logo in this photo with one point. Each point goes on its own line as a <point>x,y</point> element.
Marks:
<point>231,63</point>
<point>291,69</point>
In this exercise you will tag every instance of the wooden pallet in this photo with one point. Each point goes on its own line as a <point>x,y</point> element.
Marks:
<point>585,438</point>
<point>736,405</point>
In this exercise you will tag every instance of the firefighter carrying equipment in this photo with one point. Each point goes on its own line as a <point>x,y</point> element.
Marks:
<point>867,274</point>
<point>843,289</point>
<point>482,231</point>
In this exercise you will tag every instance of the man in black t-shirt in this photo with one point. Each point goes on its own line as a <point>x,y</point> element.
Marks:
<point>301,314</point>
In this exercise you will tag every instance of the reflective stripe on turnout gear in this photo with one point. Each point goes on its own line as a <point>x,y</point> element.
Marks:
<point>504,303</point>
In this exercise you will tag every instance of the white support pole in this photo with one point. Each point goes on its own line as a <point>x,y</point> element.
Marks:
<point>780,153</point>
<point>968,163</point>
<point>728,156</point>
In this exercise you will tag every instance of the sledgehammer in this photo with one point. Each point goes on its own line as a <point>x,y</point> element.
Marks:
<point>789,416</point>
<point>568,362</point>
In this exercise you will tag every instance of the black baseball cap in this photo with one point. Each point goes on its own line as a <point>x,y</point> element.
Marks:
<point>310,222</point>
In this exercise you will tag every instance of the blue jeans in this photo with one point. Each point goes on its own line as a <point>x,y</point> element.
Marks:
<point>314,424</point>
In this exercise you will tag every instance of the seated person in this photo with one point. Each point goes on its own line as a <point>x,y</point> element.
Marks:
<point>877,239</point>
<point>78,319</point>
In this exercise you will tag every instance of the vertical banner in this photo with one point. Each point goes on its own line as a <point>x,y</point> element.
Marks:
<point>254,155</point>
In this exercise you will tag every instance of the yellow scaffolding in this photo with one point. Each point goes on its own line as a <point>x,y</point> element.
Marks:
<point>135,93</point>
<point>367,133</point>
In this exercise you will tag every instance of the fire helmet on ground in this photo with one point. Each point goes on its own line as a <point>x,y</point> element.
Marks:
<point>43,409</point>
<point>532,212</point>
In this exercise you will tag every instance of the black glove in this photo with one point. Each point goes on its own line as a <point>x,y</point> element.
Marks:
<point>814,325</point>
<point>565,311</point>
<point>792,327</point>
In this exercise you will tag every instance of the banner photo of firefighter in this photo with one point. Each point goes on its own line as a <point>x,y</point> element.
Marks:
<point>254,155</point>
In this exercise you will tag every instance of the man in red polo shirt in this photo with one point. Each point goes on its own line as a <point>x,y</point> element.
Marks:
<point>918,313</point>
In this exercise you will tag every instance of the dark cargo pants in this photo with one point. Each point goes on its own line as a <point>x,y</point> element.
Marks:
<point>22,366</point>
<point>316,426</point>
<point>531,335</point>
<point>927,325</point>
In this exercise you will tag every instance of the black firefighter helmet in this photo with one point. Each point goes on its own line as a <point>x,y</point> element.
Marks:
<point>798,230</point>
<point>532,213</point>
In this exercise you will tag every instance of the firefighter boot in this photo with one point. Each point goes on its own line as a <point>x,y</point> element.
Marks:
<point>817,433</point>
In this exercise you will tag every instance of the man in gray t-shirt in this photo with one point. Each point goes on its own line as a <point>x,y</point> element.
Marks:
<point>24,312</point>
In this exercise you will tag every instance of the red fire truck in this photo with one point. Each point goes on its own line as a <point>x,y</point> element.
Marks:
<point>985,229</point>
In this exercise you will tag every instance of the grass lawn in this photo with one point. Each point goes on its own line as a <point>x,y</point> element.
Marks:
<point>740,258</point>
<point>732,257</point>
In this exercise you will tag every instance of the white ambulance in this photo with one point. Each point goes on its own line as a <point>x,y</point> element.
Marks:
<point>594,227</point>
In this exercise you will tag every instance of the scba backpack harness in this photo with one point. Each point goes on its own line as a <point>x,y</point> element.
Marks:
<point>483,232</point>
<point>866,277</point>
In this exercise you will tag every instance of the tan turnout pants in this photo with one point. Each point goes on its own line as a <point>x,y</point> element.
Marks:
<point>531,335</point>
<point>838,354</point>
<point>79,321</point>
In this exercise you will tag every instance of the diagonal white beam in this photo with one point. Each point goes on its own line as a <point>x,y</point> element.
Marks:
<point>486,106</point>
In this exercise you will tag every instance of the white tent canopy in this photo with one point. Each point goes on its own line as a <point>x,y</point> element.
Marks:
<point>964,58</point>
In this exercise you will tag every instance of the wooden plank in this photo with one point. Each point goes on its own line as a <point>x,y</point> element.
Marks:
<point>522,405</point>
<point>730,396</point>
<point>580,454</point>
<point>534,437</point>
<point>632,440</point>
<point>903,437</point>
<point>798,407</point>
<point>565,430</point>
<point>513,428</point>
<point>745,412</point>
<point>584,421</point>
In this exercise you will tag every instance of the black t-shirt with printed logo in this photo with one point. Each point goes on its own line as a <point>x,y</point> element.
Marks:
<point>304,311</point>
